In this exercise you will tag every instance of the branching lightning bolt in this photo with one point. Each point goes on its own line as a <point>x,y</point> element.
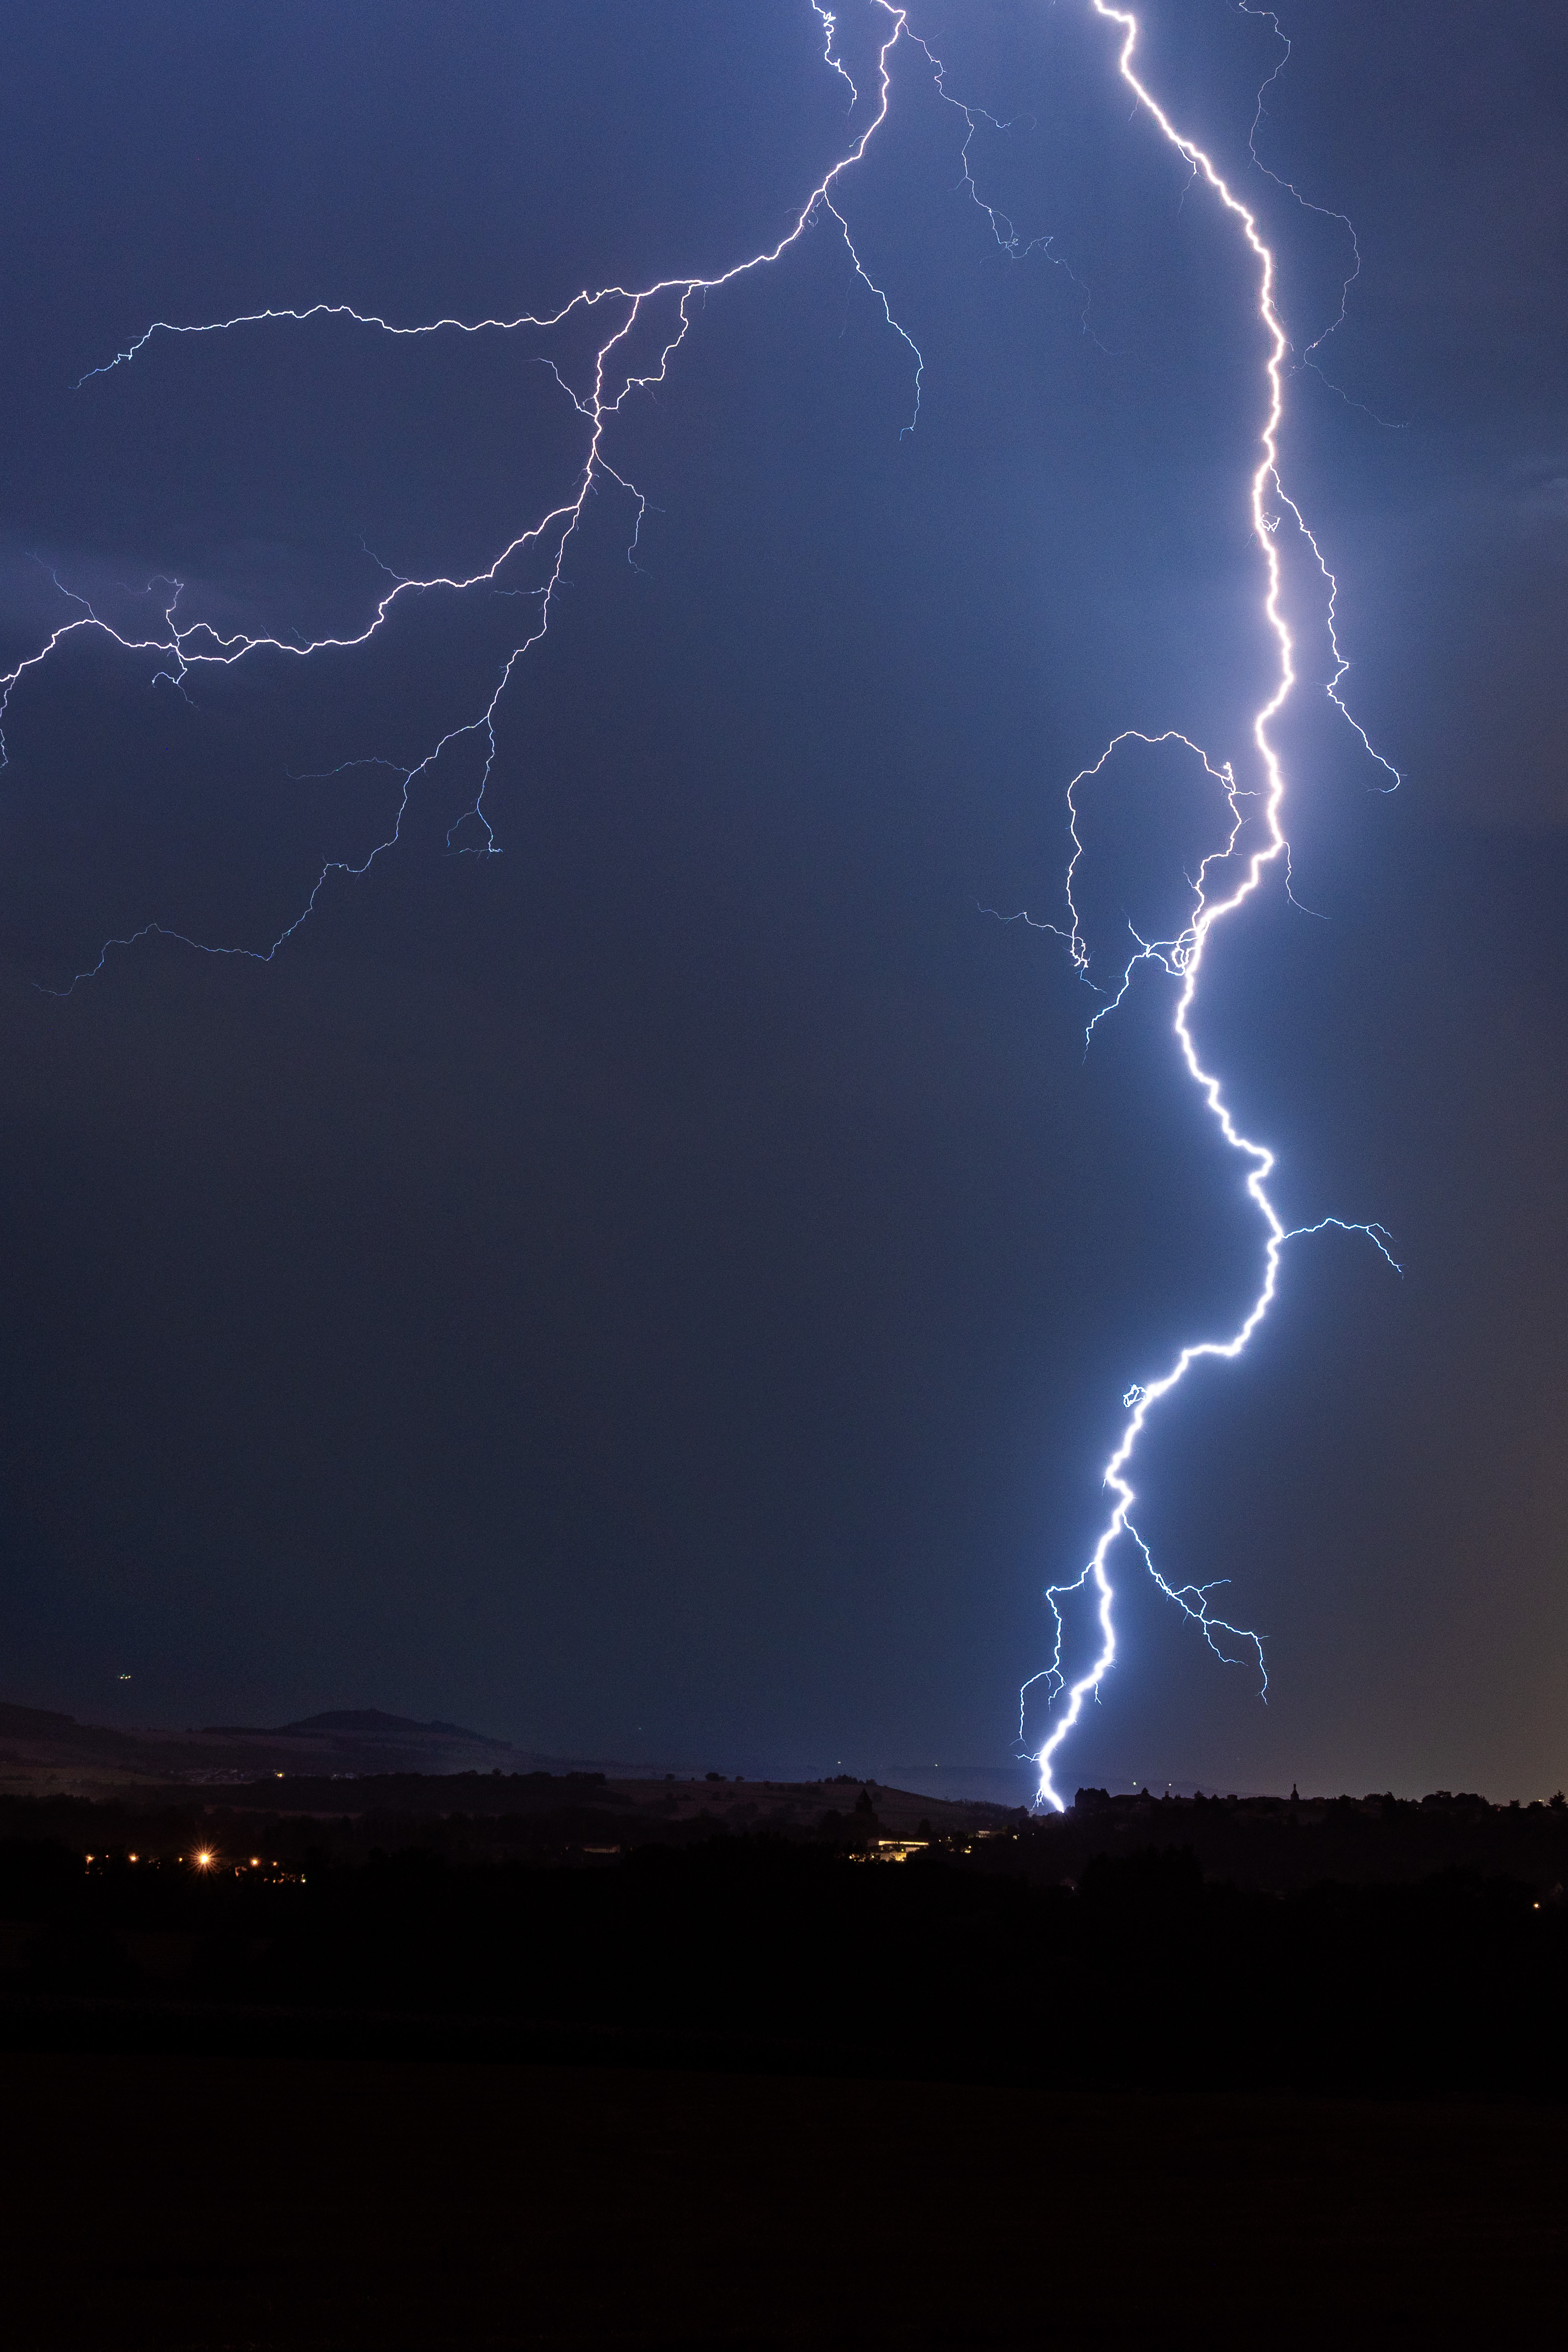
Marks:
<point>180,648</point>
<point>1183,958</point>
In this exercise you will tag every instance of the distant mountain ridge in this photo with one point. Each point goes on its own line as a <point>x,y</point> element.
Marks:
<point>367,1722</point>
<point>370,1719</point>
<point>44,1748</point>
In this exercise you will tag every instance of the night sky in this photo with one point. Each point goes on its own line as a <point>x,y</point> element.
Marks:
<point>666,1291</point>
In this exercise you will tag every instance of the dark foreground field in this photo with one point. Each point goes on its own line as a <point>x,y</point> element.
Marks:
<point>177,2202</point>
<point>520,2063</point>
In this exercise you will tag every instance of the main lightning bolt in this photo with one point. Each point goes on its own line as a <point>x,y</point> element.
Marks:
<point>1183,958</point>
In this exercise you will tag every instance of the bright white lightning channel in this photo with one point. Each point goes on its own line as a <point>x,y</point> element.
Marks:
<point>1183,958</point>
